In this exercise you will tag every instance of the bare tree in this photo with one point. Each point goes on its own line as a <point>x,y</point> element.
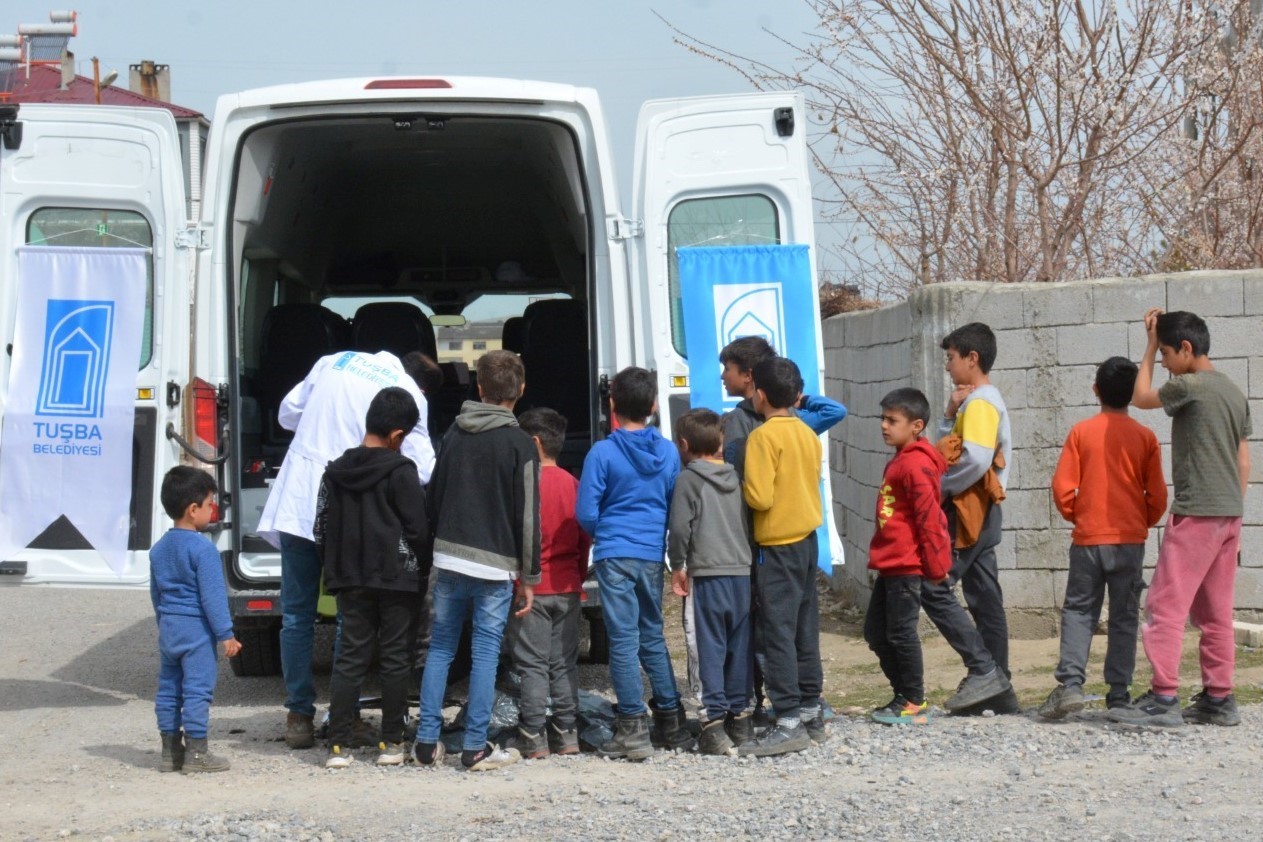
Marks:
<point>1003,140</point>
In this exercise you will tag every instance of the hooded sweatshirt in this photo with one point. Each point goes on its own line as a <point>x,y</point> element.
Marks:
<point>484,497</point>
<point>911,538</point>
<point>624,494</point>
<point>709,523</point>
<point>370,522</point>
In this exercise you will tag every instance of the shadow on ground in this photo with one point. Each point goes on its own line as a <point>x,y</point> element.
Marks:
<point>23,694</point>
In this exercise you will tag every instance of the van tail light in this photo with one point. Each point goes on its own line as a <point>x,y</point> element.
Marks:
<point>406,84</point>
<point>205,410</point>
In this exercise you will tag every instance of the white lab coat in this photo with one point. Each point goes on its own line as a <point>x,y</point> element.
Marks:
<point>326,412</point>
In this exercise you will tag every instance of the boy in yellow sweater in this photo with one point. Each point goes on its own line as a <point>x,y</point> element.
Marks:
<point>782,489</point>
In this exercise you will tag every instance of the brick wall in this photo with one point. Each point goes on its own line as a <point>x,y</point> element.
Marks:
<point>1050,340</point>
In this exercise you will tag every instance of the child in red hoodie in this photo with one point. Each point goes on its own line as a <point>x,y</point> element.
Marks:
<point>910,543</point>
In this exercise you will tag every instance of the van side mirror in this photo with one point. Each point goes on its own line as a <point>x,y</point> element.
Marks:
<point>784,118</point>
<point>10,128</point>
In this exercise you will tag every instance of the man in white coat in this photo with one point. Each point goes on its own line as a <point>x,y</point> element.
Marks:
<point>326,412</point>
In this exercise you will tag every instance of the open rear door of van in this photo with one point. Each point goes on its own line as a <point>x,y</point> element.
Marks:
<point>723,190</point>
<point>100,181</point>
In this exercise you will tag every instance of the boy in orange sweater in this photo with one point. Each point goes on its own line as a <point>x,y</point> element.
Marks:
<point>1109,484</point>
<point>910,543</point>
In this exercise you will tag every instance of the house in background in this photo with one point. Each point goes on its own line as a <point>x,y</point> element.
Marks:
<point>466,344</point>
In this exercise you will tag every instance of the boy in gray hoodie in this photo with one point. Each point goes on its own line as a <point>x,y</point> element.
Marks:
<point>709,551</point>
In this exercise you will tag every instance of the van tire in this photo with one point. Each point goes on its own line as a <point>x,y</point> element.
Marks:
<point>260,653</point>
<point>598,638</point>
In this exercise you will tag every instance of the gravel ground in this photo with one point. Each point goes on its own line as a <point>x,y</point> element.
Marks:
<point>81,755</point>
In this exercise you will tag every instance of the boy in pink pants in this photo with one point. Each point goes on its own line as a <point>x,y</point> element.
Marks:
<point>1197,563</point>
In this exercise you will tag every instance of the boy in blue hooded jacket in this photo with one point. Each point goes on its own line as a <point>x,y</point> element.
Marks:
<point>624,498</point>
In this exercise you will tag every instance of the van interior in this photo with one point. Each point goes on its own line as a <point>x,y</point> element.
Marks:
<point>451,235</point>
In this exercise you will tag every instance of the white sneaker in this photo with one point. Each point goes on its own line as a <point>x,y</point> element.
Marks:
<point>339,758</point>
<point>491,758</point>
<point>390,754</point>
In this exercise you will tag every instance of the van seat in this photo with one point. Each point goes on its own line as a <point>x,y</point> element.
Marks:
<point>394,326</point>
<point>294,337</point>
<point>556,358</point>
<point>513,334</point>
<point>444,405</point>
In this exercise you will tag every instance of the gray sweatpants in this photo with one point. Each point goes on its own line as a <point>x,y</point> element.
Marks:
<point>1115,568</point>
<point>546,651</point>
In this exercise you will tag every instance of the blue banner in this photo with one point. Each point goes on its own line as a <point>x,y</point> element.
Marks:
<point>768,290</point>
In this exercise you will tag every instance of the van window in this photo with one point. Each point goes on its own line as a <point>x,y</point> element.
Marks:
<point>99,228</point>
<point>716,221</point>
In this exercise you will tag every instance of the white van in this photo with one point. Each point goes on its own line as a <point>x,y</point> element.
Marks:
<point>358,213</point>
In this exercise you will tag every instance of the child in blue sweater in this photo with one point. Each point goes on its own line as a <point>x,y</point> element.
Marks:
<point>190,601</point>
<point>624,496</point>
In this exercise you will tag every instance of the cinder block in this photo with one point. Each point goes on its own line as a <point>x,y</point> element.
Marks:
<point>1006,552</point>
<point>1253,284</point>
<point>1236,336</point>
<point>1028,588</point>
<point>1058,304</point>
<point>1042,427</point>
<point>1207,293</point>
<point>1090,344</point>
<point>1025,348</point>
<point>1249,589</point>
<point>1026,509</point>
<point>834,334</point>
<point>1248,634</point>
<point>1037,466</point>
<point>1041,549</point>
<point>1126,299</point>
<point>1252,546</point>
<point>1012,386</point>
<point>1255,378</point>
<point>999,306</point>
<point>1062,385</point>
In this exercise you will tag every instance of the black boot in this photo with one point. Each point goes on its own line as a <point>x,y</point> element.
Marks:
<point>199,759</point>
<point>715,740</point>
<point>631,739</point>
<point>670,730</point>
<point>740,727</point>
<point>172,751</point>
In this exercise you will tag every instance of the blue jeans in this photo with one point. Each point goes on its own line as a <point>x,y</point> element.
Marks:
<point>186,675</point>
<point>631,599</point>
<point>455,595</point>
<point>300,591</point>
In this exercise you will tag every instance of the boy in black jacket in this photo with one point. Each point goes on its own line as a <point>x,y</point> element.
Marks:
<point>484,505</point>
<point>372,530</point>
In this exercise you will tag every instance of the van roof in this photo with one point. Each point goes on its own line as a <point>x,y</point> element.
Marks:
<point>418,86</point>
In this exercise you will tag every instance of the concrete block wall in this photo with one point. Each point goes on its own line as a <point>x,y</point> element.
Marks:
<point>1050,340</point>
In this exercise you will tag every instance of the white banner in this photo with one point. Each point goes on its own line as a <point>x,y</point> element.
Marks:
<point>67,445</point>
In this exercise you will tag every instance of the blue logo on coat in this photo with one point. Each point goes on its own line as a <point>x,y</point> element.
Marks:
<point>77,336</point>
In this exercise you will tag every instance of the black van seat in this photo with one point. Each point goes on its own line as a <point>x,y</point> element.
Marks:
<point>394,326</point>
<point>513,334</point>
<point>294,337</point>
<point>444,405</point>
<point>556,358</point>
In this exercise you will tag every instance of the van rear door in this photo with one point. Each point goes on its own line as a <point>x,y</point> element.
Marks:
<point>719,171</point>
<point>101,176</point>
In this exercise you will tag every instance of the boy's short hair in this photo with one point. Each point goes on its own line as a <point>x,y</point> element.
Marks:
<point>911,403</point>
<point>780,381</point>
<point>702,429</point>
<point>1115,381</point>
<point>1182,326</point>
<point>974,336</point>
<point>547,425</point>
<point>634,392</point>
<point>747,352</point>
<point>425,371</point>
<point>391,409</point>
<point>182,487</point>
<point>500,376</point>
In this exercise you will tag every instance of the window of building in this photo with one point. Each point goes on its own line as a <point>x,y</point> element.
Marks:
<point>480,345</point>
<point>455,345</point>
<point>717,221</point>
<point>99,228</point>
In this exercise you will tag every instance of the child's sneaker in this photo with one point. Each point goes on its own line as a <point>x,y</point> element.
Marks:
<point>1150,710</point>
<point>489,757</point>
<point>339,757</point>
<point>429,754</point>
<point>714,740</point>
<point>817,729</point>
<point>1206,710</point>
<point>1065,699</point>
<point>1117,699</point>
<point>563,741</point>
<point>900,711</point>
<point>781,739</point>
<point>976,689</point>
<point>391,754</point>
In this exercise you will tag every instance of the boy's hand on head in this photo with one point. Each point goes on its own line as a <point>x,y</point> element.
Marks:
<point>1151,325</point>
<point>956,399</point>
<point>524,600</point>
<point>231,647</point>
<point>680,582</point>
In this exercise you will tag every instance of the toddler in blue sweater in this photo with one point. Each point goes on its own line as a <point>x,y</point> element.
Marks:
<point>190,602</point>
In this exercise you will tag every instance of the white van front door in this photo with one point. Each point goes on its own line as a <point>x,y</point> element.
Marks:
<point>101,177</point>
<point>723,172</point>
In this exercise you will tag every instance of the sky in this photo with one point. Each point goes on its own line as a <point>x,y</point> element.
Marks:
<point>622,49</point>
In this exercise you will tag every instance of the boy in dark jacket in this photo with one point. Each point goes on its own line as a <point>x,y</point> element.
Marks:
<point>484,507</point>
<point>709,550</point>
<point>624,494</point>
<point>911,543</point>
<point>371,528</point>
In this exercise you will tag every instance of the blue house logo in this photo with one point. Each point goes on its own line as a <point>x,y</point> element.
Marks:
<point>750,310</point>
<point>76,361</point>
